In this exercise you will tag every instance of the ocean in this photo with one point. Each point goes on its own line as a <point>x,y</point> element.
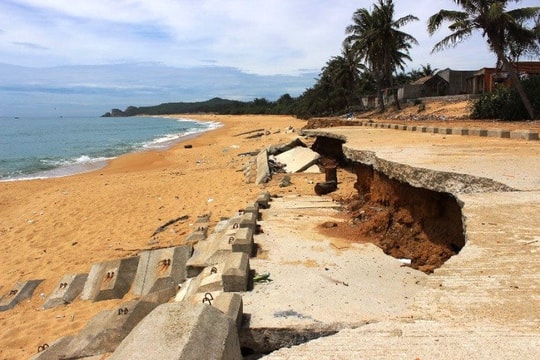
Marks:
<point>42,147</point>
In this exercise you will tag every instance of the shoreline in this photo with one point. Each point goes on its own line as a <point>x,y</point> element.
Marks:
<point>56,226</point>
<point>95,164</point>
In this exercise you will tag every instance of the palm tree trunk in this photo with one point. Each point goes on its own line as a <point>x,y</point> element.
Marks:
<point>380,91</point>
<point>517,84</point>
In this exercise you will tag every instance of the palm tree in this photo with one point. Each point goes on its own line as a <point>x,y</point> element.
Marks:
<point>376,38</point>
<point>346,70</point>
<point>506,32</point>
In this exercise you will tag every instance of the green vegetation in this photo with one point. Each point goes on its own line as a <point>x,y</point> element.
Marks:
<point>506,32</point>
<point>505,103</point>
<point>375,49</point>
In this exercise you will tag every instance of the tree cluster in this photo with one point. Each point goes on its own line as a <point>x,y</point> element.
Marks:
<point>373,56</point>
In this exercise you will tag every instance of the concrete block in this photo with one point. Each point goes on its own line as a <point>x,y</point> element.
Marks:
<point>231,304</point>
<point>478,132</point>
<point>66,291</point>
<point>402,127</point>
<point>524,135</point>
<point>110,279</point>
<point>411,127</point>
<point>460,131</point>
<point>210,252</point>
<point>242,241</point>
<point>253,208</point>
<point>56,350</point>
<point>181,330</point>
<point>104,332</point>
<point>246,220</point>
<point>445,131</point>
<point>22,290</point>
<point>263,170</point>
<point>498,133</point>
<point>200,233</point>
<point>263,200</point>
<point>430,129</point>
<point>298,159</point>
<point>161,269</point>
<point>236,272</point>
<point>203,219</point>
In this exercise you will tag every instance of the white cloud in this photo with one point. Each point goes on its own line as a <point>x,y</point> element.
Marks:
<point>263,37</point>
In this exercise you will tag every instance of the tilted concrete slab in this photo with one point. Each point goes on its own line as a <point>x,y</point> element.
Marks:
<point>110,279</point>
<point>161,269</point>
<point>67,290</point>
<point>298,159</point>
<point>22,290</point>
<point>182,330</point>
<point>263,170</point>
<point>103,333</point>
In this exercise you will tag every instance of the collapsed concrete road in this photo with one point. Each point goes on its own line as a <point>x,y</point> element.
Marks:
<point>483,302</point>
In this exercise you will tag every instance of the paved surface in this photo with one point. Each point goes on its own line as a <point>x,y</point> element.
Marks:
<point>483,302</point>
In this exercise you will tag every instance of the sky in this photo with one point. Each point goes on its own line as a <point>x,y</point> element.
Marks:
<point>91,55</point>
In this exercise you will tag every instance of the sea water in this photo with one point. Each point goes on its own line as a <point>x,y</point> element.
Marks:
<point>41,147</point>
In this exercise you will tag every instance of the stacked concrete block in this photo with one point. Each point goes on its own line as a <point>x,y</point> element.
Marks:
<point>236,272</point>
<point>110,279</point>
<point>103,333</point>
<point>161,269</point>
<point>181,330</point>
<point>66,291</point>
<point>22,290</point>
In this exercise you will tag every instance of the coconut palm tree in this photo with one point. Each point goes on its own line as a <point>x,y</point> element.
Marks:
<point>376,38</point>
<point>346,70</point>
<point>506,32</point>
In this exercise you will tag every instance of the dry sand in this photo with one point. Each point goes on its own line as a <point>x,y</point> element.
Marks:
<point>59,226</point>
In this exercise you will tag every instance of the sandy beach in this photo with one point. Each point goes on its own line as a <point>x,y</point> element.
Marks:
<point>60,226</point>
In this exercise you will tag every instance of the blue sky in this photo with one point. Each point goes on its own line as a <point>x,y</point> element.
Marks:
<point>93,55</point>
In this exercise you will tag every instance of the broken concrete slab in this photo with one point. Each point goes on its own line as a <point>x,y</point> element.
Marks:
<point>181,330</point>
<point>263,169</point>
<point>231,305</point>
<point>110,279</point>
<point>298,159</point>
<point>22,290</point>
<point>161,269</point>
<point>281,148</point>
<point>104,332</point>
<point>66,291</point>
<point>236,272</point>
